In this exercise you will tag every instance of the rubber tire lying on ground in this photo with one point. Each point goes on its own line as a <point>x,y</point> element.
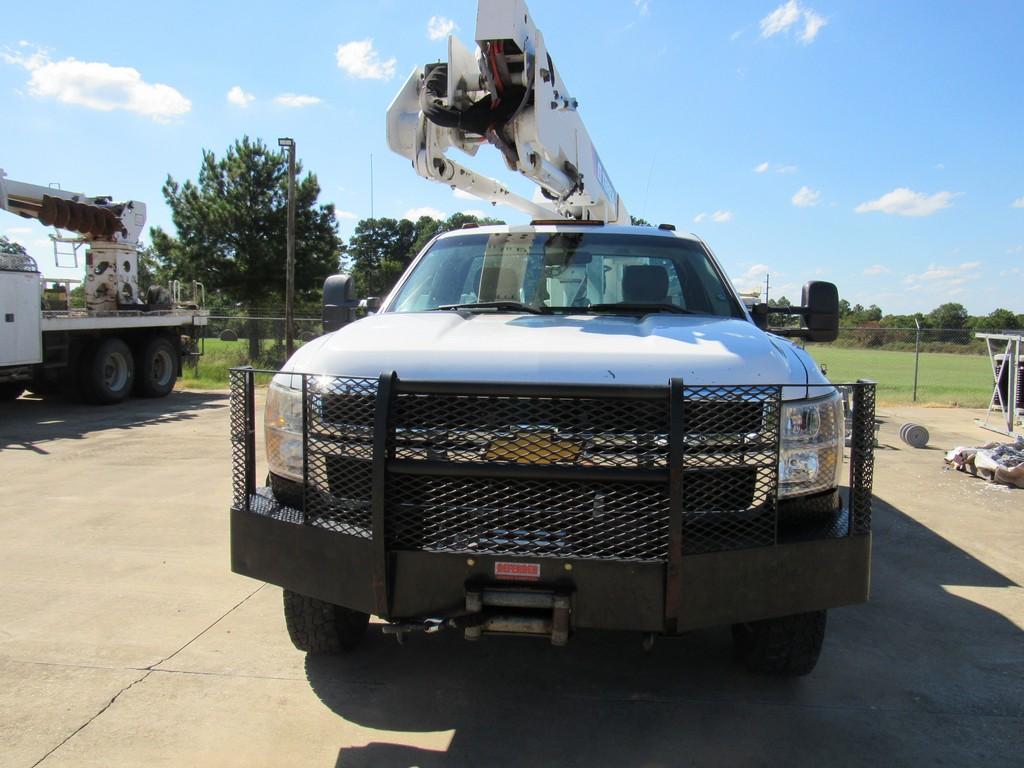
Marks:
<point>156,367</point>
<point>10,391</point>
<point>318,627</point>
<point>787,646</point>
<point>95,362</point>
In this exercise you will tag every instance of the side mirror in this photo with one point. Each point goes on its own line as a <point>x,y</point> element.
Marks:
<point>759,314</point>
<point>821,310</point>
<point>340,303</point>
<point>370,304</point>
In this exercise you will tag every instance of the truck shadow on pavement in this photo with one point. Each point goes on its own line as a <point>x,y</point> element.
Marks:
<point>30,422</point>
<point>917,675</point>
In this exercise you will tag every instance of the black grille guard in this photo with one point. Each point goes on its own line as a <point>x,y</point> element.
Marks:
<point>645,474</point>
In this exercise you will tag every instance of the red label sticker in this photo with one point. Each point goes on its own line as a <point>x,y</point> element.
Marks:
<point>517,571</point>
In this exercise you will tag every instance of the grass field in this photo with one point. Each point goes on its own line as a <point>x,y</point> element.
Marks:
<point>211,372</point>
<point>943,379</point>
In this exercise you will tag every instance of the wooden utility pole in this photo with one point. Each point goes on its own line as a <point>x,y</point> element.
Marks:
<point>289,290</point>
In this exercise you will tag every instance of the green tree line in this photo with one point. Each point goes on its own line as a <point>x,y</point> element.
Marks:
<point>230,234</point>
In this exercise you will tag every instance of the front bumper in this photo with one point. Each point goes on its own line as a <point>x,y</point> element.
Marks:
<point>688,574</point>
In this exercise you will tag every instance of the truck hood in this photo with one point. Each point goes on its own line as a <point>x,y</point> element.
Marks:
<point>558,349</point>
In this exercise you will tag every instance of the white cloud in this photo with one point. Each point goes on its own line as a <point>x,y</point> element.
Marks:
<point>942,276</point>
<point>736,35</point>
<point>27,60</point>
<point>463,195</point>
<point>906,202</point>
<point>15,231</point>
<point>1018,203</point>
<point>788,16</point>
<point>644,6</point>
<point>940,166</point>
<point>476,212</point>
<point>415,213</point>
<point>806,197</point>
<point>360,60</point>
<point>756,271</point>
<point>296,100</point>
<point>877,269</point>
<point>238,97</point>
<point>438,28</point>
<point>345,214</point>
<point>719,217</point>
<point>97,85</point>
<point>781,19</point>
<point>785,170</point>
<point>813,22</point>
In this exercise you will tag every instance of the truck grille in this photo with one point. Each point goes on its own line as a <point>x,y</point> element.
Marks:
<point>463,469</point>
<point>624,473</point>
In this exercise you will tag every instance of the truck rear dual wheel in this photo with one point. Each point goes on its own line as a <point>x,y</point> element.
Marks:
<point>156,367</point>
<point>318,627</point>
<point>108,372</point>
<point>788,646</point>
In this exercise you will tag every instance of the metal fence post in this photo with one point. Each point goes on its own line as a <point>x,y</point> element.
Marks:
<point>917,354</point>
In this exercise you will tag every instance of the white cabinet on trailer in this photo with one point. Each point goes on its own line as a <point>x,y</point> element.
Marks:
<point>20,337</point>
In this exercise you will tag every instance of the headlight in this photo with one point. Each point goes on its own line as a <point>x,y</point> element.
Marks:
<point>811,453</point>
<point>283,431</point>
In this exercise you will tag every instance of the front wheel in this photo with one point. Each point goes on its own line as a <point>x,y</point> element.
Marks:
<point>318,627</point>
<point>787,646</point>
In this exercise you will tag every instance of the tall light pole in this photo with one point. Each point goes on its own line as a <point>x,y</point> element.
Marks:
<point>289,290</point>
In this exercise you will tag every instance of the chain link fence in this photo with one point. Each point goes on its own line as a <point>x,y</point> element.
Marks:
<point>942,366</point>
<point>934,366</point>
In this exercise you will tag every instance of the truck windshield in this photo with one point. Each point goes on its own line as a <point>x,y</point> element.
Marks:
<point>567,273</point>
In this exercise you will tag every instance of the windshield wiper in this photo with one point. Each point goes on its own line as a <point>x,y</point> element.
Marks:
<point>633,307</point>
<point>498,306</point>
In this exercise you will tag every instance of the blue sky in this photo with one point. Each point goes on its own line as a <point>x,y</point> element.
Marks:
<point>879,145</point>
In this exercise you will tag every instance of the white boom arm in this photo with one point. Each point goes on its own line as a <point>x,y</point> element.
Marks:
<point>508,94</point>
<point>111,230</point>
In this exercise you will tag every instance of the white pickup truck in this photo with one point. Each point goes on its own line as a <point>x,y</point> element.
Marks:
<point>554,427</point>
<point>566,425</point>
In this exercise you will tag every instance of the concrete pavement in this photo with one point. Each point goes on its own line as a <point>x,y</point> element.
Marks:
<point>125,640</point>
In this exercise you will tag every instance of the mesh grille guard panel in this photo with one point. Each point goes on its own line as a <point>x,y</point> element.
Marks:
<point>730,467</point>
<point>539,471</point>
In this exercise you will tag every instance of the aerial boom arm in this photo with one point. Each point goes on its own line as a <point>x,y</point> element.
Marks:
<point>111,230</point>
<point>510,95</point>
<point>95,218</point>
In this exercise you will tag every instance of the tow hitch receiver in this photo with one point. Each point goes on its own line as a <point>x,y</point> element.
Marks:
<point>519,612</point>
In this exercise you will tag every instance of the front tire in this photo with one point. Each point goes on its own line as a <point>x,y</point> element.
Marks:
<point>318,627</point>
<point>788,645</point>
<point>156,368</point>
<point>108,372</point>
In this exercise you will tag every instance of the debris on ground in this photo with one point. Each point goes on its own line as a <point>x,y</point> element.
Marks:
<point>995,462</point>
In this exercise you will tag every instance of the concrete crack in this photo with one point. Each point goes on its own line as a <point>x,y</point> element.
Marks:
<point>87,722</point>
<point>148,671</point>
